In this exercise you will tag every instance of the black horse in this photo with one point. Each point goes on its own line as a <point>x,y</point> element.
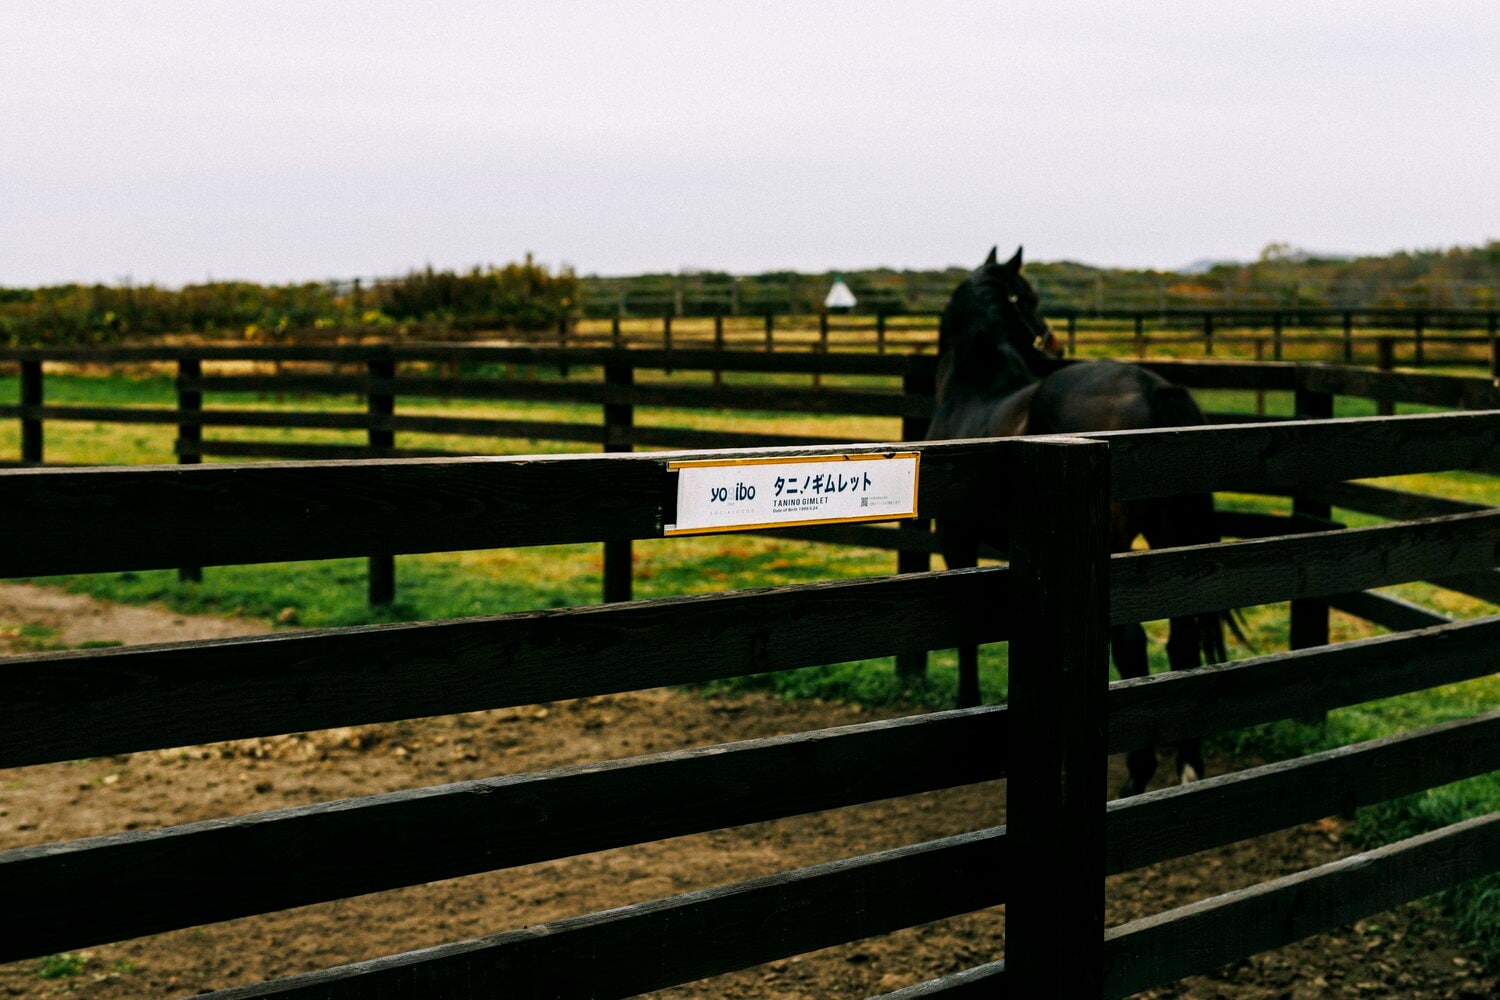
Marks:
<point>997,377</point>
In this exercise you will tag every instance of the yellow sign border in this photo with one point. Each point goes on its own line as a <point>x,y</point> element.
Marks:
<point>874,456</point>
<point>799,460</point>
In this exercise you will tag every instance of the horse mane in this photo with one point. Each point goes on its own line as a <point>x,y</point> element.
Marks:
<point>976,299</point>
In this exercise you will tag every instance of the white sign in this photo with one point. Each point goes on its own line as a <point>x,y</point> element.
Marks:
<point>744,494</point>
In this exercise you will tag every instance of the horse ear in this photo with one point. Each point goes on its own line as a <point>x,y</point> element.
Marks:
<point>991,259</point>
<point>1014,264</point>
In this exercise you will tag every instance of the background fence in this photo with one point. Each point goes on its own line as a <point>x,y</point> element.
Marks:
<point>1417,337</point>
<point>1380,337</point>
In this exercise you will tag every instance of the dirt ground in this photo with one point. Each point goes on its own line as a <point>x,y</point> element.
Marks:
<point>1407,953</point>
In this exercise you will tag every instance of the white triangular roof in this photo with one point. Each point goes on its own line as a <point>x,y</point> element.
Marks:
<point>839,296</point>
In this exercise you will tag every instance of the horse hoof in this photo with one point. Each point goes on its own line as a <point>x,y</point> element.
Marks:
<point>1189,774</point>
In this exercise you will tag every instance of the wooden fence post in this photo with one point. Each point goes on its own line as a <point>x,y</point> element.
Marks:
<point>1059,676</point>
<point>1385,360</point>
<point>189,434</point>
<point>1348,338</point>
<point>31,426</point>
<point>770,332</point>
<point>1208,334</point>
<point>381,403</point>
<point>616,337</point>
<point>1494,347</point>
<point>1276,324</point>
<point>879,332</point>
<point>1418,341</point>
<point>718,346</point>
<point>1260,393</point>
<point>1072,335</point>
<point>822,348</point>
<point>1140,335</point>
<point>918,559</point>
<point>1310,617</point>
<point>562,345</point>
<point>619,418</point>
<point>666,341</point>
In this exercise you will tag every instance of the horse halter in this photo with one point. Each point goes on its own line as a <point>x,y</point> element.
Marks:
<point>1046,341</point>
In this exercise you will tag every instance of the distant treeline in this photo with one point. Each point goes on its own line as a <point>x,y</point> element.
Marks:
<point>529,296</point>
<point>524,296</point>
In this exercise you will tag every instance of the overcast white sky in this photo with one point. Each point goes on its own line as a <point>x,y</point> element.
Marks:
<point>172,142</point>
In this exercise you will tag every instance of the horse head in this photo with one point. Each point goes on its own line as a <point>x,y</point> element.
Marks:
<point>992,319</point>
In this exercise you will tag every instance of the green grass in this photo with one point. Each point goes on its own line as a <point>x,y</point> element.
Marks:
<point>28,637</point>
<point>66,965</point>
<point>71,965</point>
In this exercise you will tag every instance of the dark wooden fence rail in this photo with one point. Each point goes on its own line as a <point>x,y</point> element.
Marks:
<point>904,394</point>
<point>61,706</point>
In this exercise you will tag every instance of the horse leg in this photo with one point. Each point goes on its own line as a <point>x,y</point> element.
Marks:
<point>960,545</point>
<point>968,676</point>
<point>1128,643</point>
<point>968,653</point>
<point>1182,654</point>
<point>1188,520</point>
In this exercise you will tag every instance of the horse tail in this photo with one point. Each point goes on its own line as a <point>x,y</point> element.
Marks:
<point>1235,619</point>
<point>1201,529</point>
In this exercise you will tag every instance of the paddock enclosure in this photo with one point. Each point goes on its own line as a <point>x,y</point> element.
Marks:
<point>1053,603</point>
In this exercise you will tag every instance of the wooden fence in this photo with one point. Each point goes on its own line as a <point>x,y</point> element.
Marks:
<point>1418,338</point>
<point>1054,603</point>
